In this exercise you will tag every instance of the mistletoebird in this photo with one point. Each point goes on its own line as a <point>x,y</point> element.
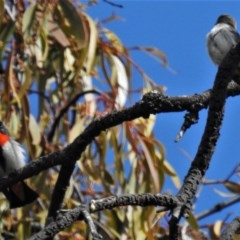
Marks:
<point>12,158</point>
<point>222,38</point>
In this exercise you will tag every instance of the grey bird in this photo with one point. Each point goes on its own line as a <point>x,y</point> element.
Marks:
<point>222,38</point>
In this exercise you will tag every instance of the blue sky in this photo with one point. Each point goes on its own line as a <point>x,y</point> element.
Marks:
<point>179,28</point>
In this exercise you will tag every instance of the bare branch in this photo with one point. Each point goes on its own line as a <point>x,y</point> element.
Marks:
<point>218,207</point>
<point>60,189</point>
<point>113,3</point>
<point>64,219</point>
<point>233,228</point>
<point>64,110</point>
<point>152,103</point>
<point>144,199</point>
<point>211,133</point>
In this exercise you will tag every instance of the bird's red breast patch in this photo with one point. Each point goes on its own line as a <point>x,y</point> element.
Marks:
<point>3,139</point>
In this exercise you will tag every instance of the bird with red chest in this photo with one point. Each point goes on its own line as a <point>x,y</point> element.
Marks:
<point>12,158</point>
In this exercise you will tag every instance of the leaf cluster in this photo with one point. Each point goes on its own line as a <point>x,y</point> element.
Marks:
<point>60,70</point>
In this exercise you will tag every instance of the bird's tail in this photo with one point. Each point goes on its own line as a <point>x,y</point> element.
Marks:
<point>20,194</point>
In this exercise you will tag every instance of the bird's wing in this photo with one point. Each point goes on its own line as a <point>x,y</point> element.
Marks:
<point>220,41</point>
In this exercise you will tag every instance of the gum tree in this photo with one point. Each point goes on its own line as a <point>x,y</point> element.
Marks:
<point>96,164</point>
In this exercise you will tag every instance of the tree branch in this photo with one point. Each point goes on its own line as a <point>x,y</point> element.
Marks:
<point>60,190</point>
<point>144,199</point>
<point>210,136</point>
<point>152,103</point>
<point>217,208</point>
<point>66,219</point>
<point>64,110</point>
<point>232,229</point>
<point>113,4</point>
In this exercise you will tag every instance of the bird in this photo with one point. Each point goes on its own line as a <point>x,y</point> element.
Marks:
<point>12,158</point>
<point>222,38</point>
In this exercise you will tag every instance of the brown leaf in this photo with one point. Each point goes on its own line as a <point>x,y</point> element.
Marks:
<point>232,186</point>
<point>154,52</point>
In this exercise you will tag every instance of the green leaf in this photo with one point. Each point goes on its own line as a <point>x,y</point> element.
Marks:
<point>114,40</point>
<point>34,130</point>
<point>29,19</point>
<point>72,23</point>
<point>27,81</point>
<point>149,156</point>
<point>193,221</point>
<point>92,45</point>
<point>107,177</point>
<point>170,171</point>
<point>6,31</point>
<point>44,42</point>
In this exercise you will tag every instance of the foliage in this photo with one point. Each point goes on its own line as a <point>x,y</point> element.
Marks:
<point>66,82</point>
<point>59,71</point>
